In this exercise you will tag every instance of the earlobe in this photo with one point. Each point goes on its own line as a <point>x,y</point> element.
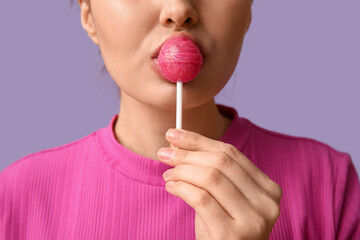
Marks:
<point>87,21</point>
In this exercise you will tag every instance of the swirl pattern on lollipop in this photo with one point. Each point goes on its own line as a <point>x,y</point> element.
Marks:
<point>180,60</point>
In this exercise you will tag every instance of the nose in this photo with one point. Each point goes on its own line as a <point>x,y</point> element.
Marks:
<point>178,14</point>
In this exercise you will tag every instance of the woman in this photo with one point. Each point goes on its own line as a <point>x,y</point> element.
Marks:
<point>222,178</point>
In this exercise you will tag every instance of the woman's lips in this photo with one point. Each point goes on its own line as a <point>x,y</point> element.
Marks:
<point>154,56</point>
<point>156,67</point>
<point>155,53</point>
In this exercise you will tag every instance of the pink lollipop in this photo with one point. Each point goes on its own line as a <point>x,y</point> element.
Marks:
<point>180,60</point>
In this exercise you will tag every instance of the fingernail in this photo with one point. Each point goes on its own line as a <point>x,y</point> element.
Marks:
<point>167,174</point>
<point>165,153</point>
<point>175,134</point>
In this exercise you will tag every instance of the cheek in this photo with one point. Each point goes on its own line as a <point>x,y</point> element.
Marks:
<point>121,34</point>
<point>227,25</point>
<point>227,41</point>
<point>225,49</point>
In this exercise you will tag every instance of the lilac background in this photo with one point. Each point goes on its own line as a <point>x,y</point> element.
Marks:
<point>298,74</point>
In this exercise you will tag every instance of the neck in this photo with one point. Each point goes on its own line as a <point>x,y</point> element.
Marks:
<point>141,128</point>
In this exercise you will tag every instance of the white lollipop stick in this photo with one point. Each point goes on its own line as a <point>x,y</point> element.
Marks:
<point>179,88</point>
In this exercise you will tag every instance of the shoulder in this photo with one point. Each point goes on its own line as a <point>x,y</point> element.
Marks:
<point>296,150</point>
<point>45,162</point>
<point>311,173</point>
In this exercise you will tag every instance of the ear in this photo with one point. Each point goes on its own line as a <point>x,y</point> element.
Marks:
<point>87,21</point>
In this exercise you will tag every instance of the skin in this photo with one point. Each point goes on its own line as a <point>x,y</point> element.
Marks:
<point>232,198</point>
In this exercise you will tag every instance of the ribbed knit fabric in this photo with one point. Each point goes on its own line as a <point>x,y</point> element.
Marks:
<point>95,188</point>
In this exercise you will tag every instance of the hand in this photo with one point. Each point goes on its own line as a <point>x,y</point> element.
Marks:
<point>232,198</point>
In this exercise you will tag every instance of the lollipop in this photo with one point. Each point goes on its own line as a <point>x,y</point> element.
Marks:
<point>180,60</point>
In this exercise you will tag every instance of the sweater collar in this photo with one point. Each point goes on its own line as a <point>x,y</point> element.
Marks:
<point>149,171</point>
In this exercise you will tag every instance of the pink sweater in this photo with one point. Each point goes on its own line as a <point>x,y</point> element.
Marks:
<point>94,188</point>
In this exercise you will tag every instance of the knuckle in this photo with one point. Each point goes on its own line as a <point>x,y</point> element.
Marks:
<point>276,190</point>
<point>181,156</point>
<point>215,177</point>
<point>203,198</point>
<point>274,211</point>
<point>223,160</point>
<point>230,149</point>
<point>260,226</point>
<point>194,140</point>
<point>254,228</point>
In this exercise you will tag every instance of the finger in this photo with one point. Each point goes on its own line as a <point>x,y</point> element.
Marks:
<point>258,196</point>
<point>208,209</point>
<point>217,184</point>
<point>193,141</point>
